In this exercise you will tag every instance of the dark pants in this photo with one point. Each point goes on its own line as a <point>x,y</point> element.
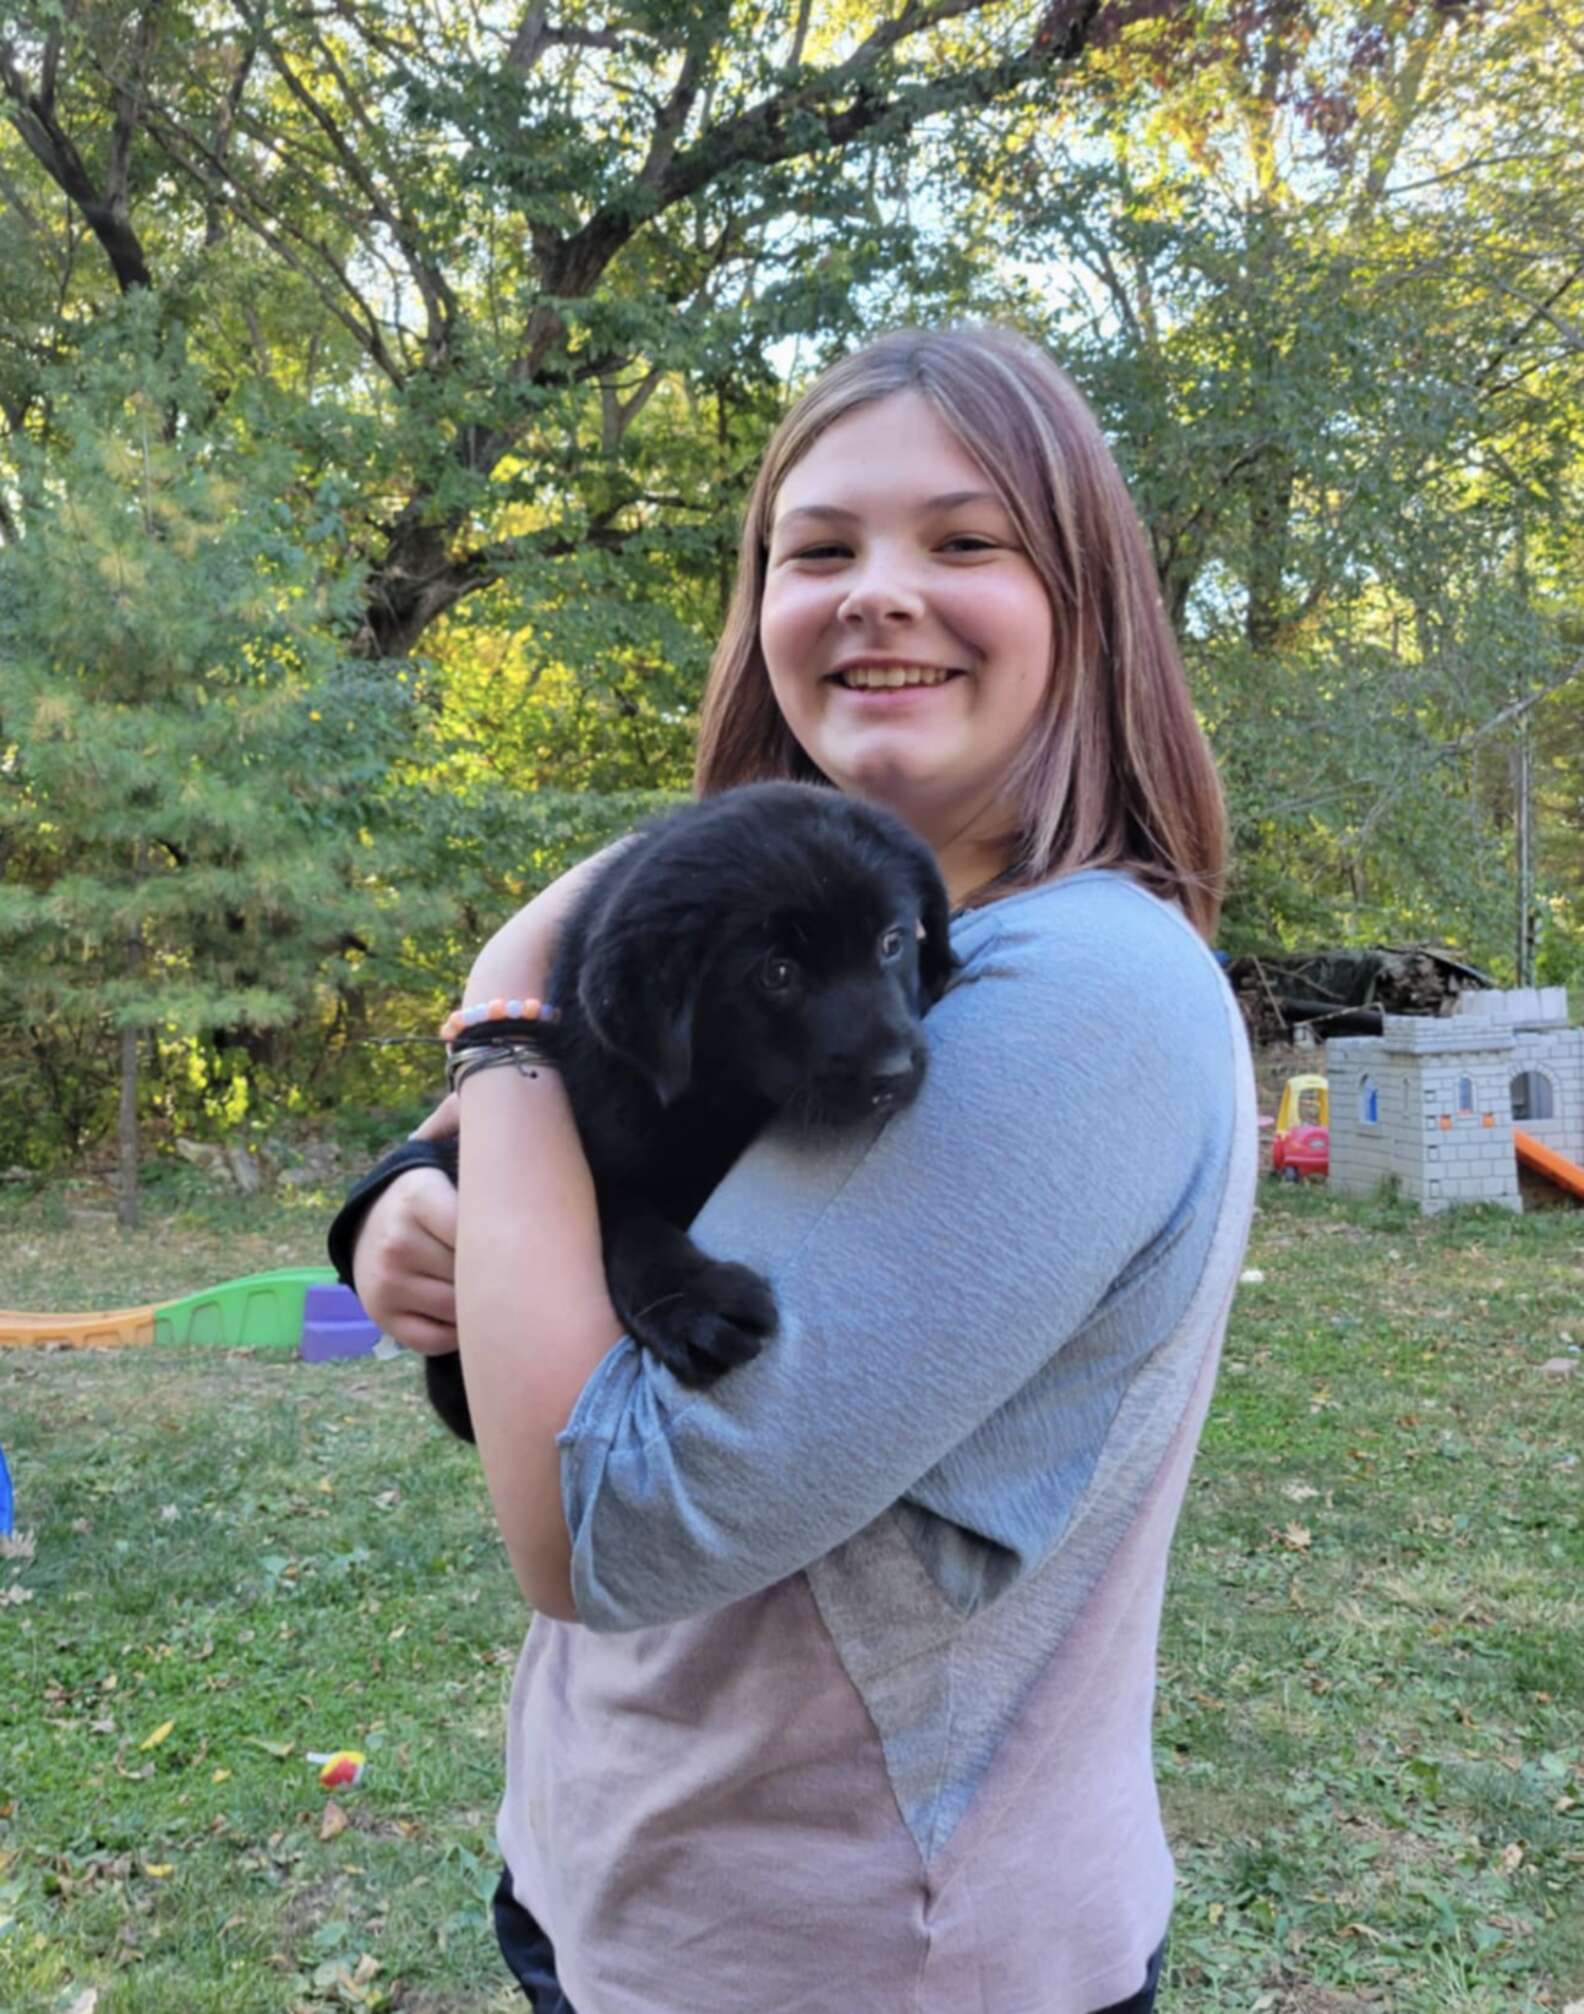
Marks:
<point>528,1952</point>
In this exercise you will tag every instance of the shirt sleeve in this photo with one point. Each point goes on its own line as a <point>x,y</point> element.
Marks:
<point>341,1239</point>
<point>924,1269</point>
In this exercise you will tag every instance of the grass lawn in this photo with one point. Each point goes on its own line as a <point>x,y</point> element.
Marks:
<point>1371,1727</point>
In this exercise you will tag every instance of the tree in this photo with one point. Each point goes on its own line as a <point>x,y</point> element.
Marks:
<point>1314,265</point>
<point>185,760</point>
<point>509,234</point>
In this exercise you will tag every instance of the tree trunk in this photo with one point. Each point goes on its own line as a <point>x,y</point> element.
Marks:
<point>414,582</point>
<point>1270,491</point>
<point>1523,823</point>
<point>127,1134</point>
<point>126,1120</point>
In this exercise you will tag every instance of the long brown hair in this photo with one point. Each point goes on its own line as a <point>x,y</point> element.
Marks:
<point>1119,775</point>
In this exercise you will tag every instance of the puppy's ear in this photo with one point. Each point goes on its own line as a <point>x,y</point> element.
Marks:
<point>937,961</point>
<point>639,999</point>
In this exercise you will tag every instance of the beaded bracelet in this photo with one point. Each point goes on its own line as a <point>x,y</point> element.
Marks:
<point>494,1012</point>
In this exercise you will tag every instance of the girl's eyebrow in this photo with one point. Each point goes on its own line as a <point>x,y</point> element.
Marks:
<point>948,500</point>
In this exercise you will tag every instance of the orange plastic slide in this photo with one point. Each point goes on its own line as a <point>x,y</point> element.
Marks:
<point>1548,1162</point>
<point>107,1330</point>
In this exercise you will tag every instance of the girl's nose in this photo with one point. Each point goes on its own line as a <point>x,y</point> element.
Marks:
<point>880,593</point>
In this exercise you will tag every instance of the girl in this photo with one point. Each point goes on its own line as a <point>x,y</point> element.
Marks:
<point>838,1696</point>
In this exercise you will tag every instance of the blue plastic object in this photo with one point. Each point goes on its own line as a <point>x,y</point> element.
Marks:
<point>334,1325</point>
<point>5,1497</point>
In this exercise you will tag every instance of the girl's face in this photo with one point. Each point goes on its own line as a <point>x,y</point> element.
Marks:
<point>907,635</point>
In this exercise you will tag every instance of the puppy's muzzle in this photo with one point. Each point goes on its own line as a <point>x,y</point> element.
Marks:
<point>894,1079</point>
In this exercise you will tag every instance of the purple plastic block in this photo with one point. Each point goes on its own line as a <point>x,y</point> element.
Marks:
<point>334,1325</point>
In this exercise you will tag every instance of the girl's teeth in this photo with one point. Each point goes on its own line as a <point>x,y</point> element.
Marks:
<point>891,676</point>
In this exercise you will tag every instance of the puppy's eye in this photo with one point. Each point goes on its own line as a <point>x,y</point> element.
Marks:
<point>777,973</point>
<point>891,945</point>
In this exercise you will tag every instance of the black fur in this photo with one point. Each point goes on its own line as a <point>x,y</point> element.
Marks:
<point>768,950</point>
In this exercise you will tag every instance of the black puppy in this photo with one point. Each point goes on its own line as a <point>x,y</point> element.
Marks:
<point>769,950</point>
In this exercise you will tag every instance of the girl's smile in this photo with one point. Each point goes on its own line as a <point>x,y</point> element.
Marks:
<point>907,634</point>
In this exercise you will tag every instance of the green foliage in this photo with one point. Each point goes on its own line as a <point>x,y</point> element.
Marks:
<point>411,366</point>
<point>191,760</point>
<point>1310,295</point>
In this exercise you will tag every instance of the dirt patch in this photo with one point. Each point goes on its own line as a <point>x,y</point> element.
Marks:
<point>1402,1849</point>
<point>1322,2000</point>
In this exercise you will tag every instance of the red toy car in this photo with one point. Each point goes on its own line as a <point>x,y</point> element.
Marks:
<point>1301,1149</point>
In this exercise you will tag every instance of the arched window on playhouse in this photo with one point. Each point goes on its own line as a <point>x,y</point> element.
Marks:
<point>1532,1096</point>
<point>1369,1102</point>
<point>1465,1094</point>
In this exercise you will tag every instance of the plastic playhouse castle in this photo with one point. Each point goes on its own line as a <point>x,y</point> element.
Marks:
<point>1446,1106</point>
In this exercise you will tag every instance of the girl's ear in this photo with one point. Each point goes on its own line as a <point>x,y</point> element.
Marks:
<point>639,992</point>
<point>937,960</point>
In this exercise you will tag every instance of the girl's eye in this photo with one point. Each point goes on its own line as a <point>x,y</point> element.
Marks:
<point>891,945</point>
<point>777,973</point>
<point>969,541</point>
<point>821,552</point>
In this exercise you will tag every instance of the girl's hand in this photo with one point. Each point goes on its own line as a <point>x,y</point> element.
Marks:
<point>404,1261</point>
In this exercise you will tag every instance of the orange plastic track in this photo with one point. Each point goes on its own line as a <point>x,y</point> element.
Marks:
<point>1544,1160</point>
<point>108,1329</point>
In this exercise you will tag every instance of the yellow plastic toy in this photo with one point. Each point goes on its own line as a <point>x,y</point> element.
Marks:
<point>1302,1146</point>
<point>1292,1111</point>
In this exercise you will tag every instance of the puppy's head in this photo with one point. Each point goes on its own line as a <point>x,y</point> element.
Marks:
<point>778,944</point>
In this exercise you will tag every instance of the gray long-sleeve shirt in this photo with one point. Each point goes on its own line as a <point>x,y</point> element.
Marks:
<point>858,1709</point>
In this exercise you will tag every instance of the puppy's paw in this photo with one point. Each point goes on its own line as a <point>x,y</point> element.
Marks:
<point>716,1321</point>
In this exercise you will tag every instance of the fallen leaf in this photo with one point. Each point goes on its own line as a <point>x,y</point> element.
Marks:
<point>334,1821</point>
<point>1511,1858</point>
<point>1297,1537</point>
<point>160,1734</point>
<point>157,1870</point>
<point>1299,1493</point>
<point>85,2003</point>
<point>279,1749</point>
<point>221,1776</point>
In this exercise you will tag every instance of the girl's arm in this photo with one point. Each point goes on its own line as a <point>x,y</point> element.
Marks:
<point>533,1314</point>
<point>931,1276</point>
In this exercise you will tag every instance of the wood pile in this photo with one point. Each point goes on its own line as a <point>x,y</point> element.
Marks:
<point>1347,992</point>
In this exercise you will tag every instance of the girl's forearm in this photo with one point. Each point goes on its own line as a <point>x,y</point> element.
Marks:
<point>534,1317</point>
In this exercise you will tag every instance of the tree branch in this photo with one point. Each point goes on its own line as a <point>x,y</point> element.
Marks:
<point>33,115</point>
<point>800,121</point>
<point>225,127</point>
<point>527,45</point>
<point>266,223</point>
<point>439,301</point>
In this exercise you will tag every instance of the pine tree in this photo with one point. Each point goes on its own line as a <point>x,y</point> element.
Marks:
<point>184,750</point>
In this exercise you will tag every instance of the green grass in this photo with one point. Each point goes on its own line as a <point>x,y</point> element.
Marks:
<point>1371,1727</point>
